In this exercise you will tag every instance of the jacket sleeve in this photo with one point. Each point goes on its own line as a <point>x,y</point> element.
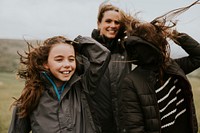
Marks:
<point>192,47</point>
<point>98,56</point>
<point>19,125</point>
<point>131,119</point>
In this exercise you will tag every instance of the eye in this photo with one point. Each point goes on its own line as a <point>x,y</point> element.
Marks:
<point>108,21</point>
<point>58,59</point>
<point>117,22</point>
<point>71,59</point>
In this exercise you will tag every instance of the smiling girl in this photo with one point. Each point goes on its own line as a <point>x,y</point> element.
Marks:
<point>60,74</point>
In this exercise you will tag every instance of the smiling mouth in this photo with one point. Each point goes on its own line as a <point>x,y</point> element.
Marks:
<point>112,31</point>
<point>67,72</point>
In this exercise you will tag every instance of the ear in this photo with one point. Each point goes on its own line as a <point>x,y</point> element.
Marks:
<point>98,25</point>
<point>46,65</point>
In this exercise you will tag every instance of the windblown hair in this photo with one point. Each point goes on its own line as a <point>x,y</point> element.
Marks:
<point>155,34</point>
<point>32,66</point>
<point>157,31</point>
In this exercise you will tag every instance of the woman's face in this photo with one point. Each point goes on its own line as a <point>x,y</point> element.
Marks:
<point>61,62</point>
<point>110,24</point>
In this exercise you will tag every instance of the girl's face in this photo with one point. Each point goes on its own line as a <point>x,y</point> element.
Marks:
<point>110,24</point>
<point>61,62</point>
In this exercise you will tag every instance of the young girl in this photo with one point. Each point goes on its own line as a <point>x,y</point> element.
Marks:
<point>58,86</point>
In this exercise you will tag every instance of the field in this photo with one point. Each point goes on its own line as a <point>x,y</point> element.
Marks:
<point>11,87</point>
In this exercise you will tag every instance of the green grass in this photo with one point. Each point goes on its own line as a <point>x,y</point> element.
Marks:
<point>11,87</point>
<point>196,93</point>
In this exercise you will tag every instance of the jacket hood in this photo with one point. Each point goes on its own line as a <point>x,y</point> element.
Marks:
<point>141,52</point>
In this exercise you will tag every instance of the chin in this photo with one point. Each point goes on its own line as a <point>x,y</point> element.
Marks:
<point>68,79</point>
<point>111,37</point>
<point>65,79</point>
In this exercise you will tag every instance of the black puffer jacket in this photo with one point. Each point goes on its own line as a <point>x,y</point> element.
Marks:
<point>105,97</point>
<point>139,111</point>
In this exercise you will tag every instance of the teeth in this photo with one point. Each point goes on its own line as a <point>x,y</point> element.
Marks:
<point>66,72</point>
<point>111,31</point>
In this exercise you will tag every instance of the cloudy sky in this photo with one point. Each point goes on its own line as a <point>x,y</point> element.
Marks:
<point>39,19</point>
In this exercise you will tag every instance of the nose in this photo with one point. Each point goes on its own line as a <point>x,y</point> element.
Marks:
<point>66,64</point>
<point>113,24</point>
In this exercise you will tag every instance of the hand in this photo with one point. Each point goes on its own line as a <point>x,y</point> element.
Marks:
<point>177,37</point>
<point>174,35</point>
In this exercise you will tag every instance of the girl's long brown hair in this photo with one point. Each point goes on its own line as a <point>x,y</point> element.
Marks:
<point>31,65</point>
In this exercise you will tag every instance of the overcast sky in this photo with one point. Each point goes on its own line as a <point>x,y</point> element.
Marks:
<point>39,19</point>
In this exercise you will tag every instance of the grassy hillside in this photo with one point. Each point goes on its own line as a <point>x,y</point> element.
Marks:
<point>8,53</point>
<point>9,87</point>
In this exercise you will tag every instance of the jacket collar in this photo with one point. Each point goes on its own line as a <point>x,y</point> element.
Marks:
<point>114,45</point>
<point>48,80</point>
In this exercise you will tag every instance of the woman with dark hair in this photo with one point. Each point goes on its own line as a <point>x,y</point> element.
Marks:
<point>156,97</point>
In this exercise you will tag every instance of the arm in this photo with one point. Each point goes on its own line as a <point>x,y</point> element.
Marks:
<point>98,56</point>
<point>192,47</point>
<point>131,118</point>
<point>19,125</point>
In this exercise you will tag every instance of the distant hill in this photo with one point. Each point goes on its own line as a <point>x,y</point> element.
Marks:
<point>9,59</point>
